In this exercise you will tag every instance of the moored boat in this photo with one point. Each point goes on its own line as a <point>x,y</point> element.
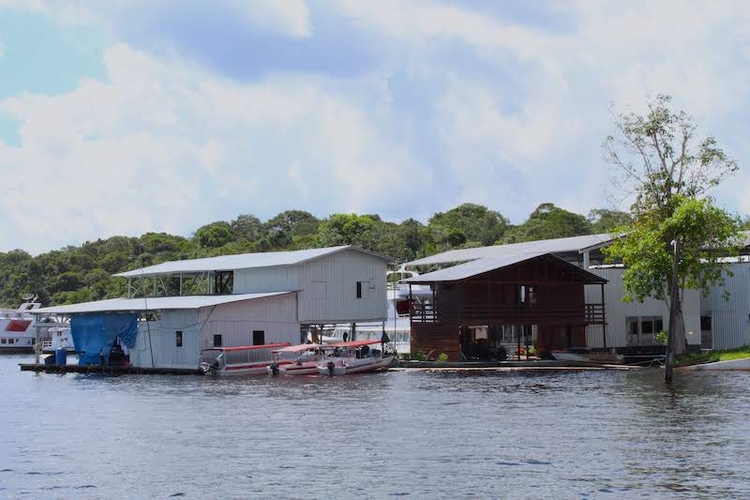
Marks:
<point>305,363</point>
<point>240,360</point>
<point>354,357</point>
<point>17,327</point>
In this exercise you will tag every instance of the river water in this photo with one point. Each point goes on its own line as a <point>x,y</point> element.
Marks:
<point>413,434</point>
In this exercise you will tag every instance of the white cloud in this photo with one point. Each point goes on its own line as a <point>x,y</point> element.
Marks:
<point>291,17</point>
<point>496,112</point>
<point>163,146</point>
<point>287,17</point>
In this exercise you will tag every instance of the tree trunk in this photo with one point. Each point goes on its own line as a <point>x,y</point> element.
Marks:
<point>680,345</point>
<point>675,316</point>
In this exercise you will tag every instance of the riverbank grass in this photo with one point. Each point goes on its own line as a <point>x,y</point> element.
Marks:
<point>713,356</point>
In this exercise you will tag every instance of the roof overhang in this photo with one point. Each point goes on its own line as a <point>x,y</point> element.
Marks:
<point>242,261</point>
<point>489,264</point>
<point>154,303</point>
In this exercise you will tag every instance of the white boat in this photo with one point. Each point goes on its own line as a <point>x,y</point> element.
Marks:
<point>20,329</point>
<point>240,360</point>
<point>583,355</point>
<point>354,357</point>
<point>59,337</point>
<point>307,357</point>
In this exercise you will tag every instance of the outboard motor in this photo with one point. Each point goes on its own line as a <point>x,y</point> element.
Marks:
<point>274,368</point>
<point>331,367</point>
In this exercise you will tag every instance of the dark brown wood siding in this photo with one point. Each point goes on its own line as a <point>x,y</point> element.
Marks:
<point>435,338</point>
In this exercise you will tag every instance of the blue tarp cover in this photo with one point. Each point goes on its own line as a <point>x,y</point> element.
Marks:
<point>94,334</point>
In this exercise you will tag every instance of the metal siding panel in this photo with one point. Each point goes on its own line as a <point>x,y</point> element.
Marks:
<point>159,336</point>
<point>616,311</point>
<point>729,318</point>
<point>276,316</point>
<point>341,271</point>
<point>263,280</point>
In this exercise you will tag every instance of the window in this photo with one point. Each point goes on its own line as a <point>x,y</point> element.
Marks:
<point>259,337</point>
<point>532,295</point>
<point>2,341</point>
<point>10,341</point>
<point>217,340</point>
<point>362,288</point>
<point>178,338</point>
<point>647,326</point>
<point>642,329</point>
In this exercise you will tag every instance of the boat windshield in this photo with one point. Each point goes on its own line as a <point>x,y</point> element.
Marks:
<point>210,355</point>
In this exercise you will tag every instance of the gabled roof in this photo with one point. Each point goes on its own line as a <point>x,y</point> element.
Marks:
<point>558,245</point>
<point>487,264</point>
<point>242,261</point>
<point>154,303</point>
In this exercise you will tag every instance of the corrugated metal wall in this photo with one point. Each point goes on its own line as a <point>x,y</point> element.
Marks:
<point>617,310</point>
<point>235,322</point>
<point>160,336</point>
<point>268,279</point>
<point>341,272</point>
<point>730,318</point>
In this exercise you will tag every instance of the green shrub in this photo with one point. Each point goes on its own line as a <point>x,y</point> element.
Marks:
<point>443,357</point>
<point>419,356</point>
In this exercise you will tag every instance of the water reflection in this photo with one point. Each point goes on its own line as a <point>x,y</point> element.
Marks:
<point>426,435</point>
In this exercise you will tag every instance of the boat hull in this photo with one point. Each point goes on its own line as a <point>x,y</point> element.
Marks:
<point>352,366</point>
<point>241,370</point>
<point>309,368</point>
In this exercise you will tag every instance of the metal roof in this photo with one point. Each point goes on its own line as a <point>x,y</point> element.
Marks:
<point>241,261</point>
<point>487,264</point>
<point>154,303</point>
<point>559,245</point>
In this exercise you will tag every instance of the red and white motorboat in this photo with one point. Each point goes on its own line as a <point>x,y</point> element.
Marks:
<point>240,360</point>
<point>307,357</point>
<point>354,357</point>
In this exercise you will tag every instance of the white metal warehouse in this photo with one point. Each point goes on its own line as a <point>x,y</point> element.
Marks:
<point>246,299</point>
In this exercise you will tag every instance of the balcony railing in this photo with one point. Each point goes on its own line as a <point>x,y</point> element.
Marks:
<point>593,314</point>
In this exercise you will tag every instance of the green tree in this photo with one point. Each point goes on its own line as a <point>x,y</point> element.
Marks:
<point>291,229</point>
<point>214,235</point>
<point>347,229</point>
<point>670,172</point>
<point>548,221</point>
<point>468,225</point>
<point>247,228</point>
<point>603,220</point>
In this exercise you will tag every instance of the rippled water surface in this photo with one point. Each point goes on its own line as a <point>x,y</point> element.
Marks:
<point>412,434</point>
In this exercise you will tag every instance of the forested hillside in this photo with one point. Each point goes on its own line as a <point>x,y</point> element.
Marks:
<point>83,273</point>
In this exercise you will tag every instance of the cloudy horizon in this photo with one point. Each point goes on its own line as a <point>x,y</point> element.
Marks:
<point>126,117</point>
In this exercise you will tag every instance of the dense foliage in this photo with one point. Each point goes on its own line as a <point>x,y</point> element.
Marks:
<point>677,233</point>
<point>83,273</point>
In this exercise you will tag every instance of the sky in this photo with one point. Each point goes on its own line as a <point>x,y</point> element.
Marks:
<point>129,116</point>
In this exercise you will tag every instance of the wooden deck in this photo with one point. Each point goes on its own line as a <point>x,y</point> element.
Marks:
<point>107,370</point>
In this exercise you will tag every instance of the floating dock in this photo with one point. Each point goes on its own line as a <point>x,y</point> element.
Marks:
<point>522,365</point>
<point>107,370</point>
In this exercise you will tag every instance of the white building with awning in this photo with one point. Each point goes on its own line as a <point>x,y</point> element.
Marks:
<point>248,299</point>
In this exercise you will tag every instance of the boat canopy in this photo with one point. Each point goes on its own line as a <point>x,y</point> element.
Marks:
<point>305,347</point>
<point>248,347</point>
<point>355,343</point>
